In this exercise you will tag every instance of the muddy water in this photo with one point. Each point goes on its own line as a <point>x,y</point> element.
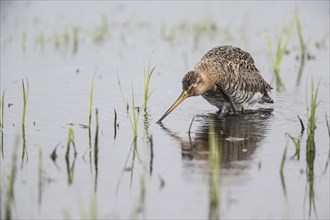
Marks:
<point>165,172</point>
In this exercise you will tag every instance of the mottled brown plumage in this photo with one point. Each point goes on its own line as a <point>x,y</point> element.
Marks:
<point>227,78</point>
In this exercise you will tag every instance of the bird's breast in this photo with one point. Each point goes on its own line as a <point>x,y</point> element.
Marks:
<point>215,97</point>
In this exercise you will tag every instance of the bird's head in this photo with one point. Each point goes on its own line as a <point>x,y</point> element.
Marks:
<point>193,84</point>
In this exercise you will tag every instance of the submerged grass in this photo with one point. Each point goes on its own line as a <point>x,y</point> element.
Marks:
<point>151,143</point>
<point>296,142</point>
<point>70,141</point>
<point>11,182</point>
<point>115,124</point>
<point>327,163</point>
<point>96,148</point>
<point>214,174</point>
<point>41,175</point>
<point>70,168</point>
<point>310,149</point>
<point>281,49</point>
<point>140,209</point>
<point>310,159</point>
<point>282,169</point>
<point>90,212</point>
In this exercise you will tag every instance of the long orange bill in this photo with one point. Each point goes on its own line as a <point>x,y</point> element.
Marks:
<point>182,97</point>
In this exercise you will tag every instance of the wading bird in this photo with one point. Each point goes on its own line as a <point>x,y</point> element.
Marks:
<point>227,78</point>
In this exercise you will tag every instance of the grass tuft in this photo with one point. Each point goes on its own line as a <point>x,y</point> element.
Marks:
<point>281,49</point>
<point>135,112</point>
<point>310,149</point>
<point>147,78</point>
<point>312,119</point>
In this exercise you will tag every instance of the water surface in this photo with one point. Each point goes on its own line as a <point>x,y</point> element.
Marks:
<point>58,46</point>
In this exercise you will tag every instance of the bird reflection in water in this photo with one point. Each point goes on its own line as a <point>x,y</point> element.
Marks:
<point>239,135</point>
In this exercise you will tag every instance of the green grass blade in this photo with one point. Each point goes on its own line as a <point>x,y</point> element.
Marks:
<point>147,78</point>
<point>25,98</point>
<point>122,93</point>
<point>302,48</point>
<point>91,101</point>
<point>312,119</point>
<point>296,142</point>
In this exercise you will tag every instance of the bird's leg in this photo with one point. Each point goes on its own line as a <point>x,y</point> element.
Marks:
<point>231,105</point>
<point>228,99</point>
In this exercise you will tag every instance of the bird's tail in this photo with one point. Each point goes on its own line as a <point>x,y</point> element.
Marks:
<point>266,98</point>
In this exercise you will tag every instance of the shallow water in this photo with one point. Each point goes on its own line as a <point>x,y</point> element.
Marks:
<point>167,177</point>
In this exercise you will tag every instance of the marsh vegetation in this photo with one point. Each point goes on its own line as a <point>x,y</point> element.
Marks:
<point>121,69</point>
